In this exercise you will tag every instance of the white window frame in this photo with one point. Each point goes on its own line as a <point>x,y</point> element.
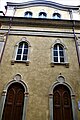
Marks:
<point>66,63</point>
<point>24,40</point>
<point>23,44</point>
<point>58,50</point>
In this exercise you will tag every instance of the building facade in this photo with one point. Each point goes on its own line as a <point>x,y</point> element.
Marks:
<point>40,61</point>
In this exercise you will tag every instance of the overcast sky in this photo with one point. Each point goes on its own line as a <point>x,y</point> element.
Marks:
<point>65,2</point>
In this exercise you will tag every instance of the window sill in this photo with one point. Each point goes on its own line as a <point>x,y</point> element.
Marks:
<point>65,63</point>
<point>17,61</point>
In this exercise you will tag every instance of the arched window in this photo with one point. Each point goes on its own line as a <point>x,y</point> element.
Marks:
<point>21,52</point>
<point>28,14</point>
<point>42,15</point>
<point>59,53</point>
<point>56,16</point>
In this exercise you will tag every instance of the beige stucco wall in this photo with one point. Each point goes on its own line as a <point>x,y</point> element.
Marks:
<point>39,75</point>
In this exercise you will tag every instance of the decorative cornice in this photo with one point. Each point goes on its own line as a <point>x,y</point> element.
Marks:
<point>42,3</point>
<point>39,33</point>
<point>36,22</point>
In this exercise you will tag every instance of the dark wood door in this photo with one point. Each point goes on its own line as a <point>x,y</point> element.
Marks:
<point>14,103</point>
<point>62,109</point>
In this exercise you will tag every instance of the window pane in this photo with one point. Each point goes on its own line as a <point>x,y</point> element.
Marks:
<point>61,59</point>
<point>19,51</point>
<point>60,47</point>
<point>55,17</point>
<point>55,47</point>
<point>18,57</point>
<point>24,57</point>
<point>21,45</point>
<point>25,51</point>
<point>55,53</point>
<point>61,53</point>
<point>42,14</point>
<point>55,59</point>
<point>25,46</point>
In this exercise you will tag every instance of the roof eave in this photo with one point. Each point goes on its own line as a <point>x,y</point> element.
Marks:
<point>42,3</point>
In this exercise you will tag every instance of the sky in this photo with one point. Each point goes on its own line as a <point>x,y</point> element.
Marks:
<point>65,2</point>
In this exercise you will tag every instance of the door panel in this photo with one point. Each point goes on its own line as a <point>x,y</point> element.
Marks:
<point>57,106</point>
<point>18,105</point>
<point>14,103</point>
<point>62,109</point>
<point>66,106</point>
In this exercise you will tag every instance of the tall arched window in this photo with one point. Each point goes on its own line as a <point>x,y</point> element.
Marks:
<point>21,52</point>
<point>59,55</point>
<point>42,15</point>
<point>28,14</point>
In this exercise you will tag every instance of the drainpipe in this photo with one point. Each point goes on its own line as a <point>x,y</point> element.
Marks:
<point>7,34</point>
<point>71,14</point>
<point>76,43</point>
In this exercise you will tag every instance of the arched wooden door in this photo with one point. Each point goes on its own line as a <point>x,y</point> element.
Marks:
<point>13,108</point>
<point>62,108</point>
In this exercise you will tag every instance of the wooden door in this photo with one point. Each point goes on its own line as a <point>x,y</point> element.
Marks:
<point>62,109</point>
<point>13,108</point>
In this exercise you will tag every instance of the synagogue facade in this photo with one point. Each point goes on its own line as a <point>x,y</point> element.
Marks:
<point>40,61</point>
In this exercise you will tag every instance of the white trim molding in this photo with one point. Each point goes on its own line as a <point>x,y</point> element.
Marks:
<point>16,49</point>
<point>65,62</point>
